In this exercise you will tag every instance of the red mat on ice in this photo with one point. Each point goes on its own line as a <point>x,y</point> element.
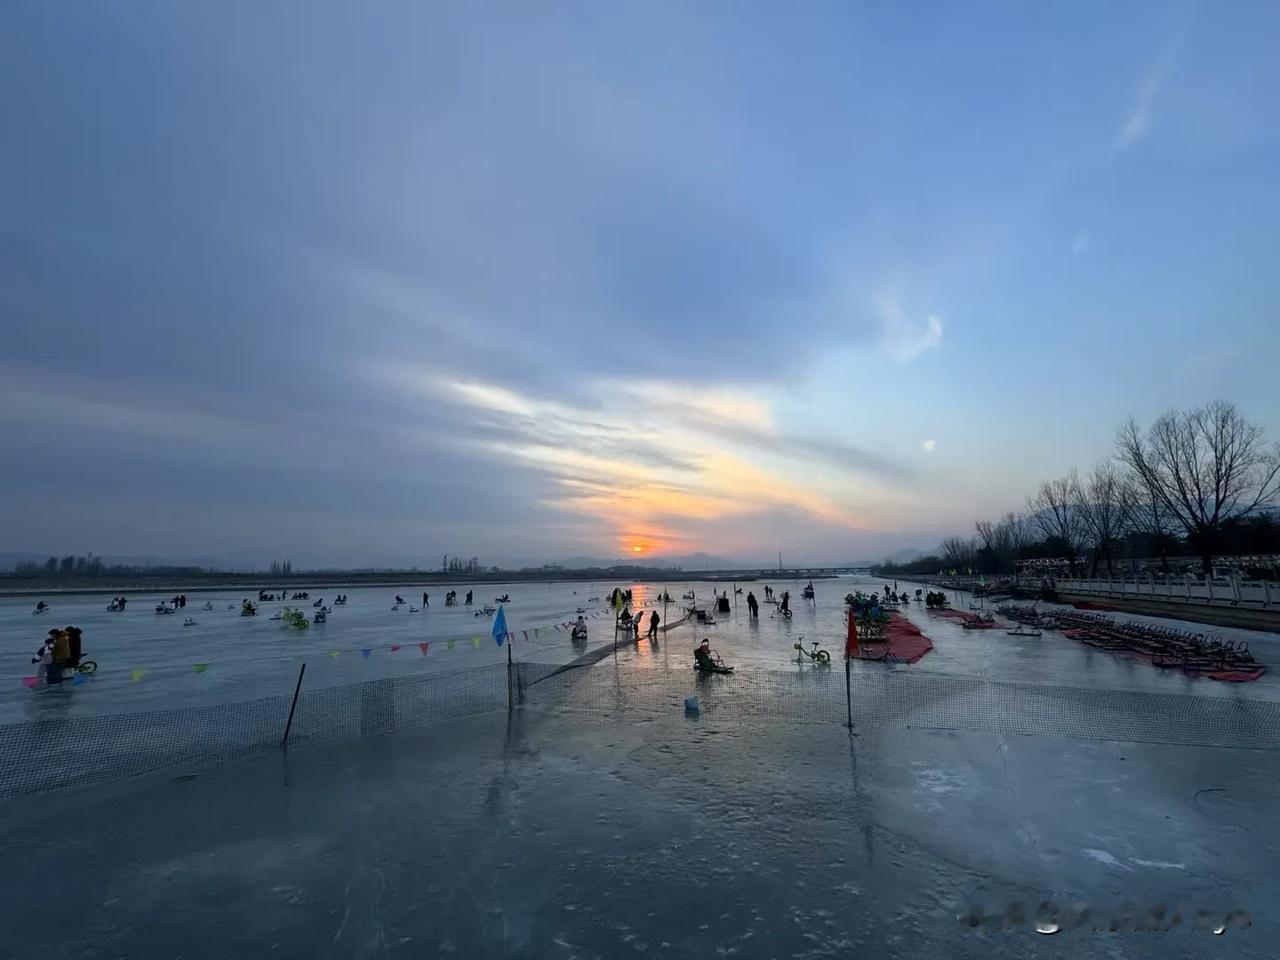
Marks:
<point>1228,676</point>
<point>902,638</point>
<point>1237,676</point>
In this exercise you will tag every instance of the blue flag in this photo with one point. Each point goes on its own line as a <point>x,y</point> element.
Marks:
<point>500,626</point>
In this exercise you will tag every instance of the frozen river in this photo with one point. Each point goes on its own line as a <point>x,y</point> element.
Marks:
<point>631,827</point>
<point>542,836</point>
<point>257,657</point>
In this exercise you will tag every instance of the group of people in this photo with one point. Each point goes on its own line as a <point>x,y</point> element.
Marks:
<point>264,597</point>
<point>60,652</point>
<point>628,622</point>
<point>117,605</point>
<point>935,599</point>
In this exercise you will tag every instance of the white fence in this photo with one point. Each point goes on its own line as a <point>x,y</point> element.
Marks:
<point>1217,591</point>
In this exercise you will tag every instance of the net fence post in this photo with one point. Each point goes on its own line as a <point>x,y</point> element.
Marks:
<point>848,693</point>
<point>284,743</point>
<point>509,703</point>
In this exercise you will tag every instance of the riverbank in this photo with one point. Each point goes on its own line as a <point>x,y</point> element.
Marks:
<point>1244,618</point>
<point>1245,615</point>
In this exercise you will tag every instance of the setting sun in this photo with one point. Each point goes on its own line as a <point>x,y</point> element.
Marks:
<point>637,549</point>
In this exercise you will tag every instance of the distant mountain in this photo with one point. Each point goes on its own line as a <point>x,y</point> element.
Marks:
<point>690,562</point>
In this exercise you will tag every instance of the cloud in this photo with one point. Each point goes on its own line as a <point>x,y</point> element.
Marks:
<point>710,404</point>
<point>625,287</point>
<point>928,445</point>
<point>907,337</point>
<point>645,459</point>
<point>1080,242</point>
<point>1138,120</point>
<point>738,418</point>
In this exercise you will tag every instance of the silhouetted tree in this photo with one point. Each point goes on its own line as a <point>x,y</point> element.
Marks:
<point>1052,511</point>
<point>1102,512</point>
<point>1205,467</point>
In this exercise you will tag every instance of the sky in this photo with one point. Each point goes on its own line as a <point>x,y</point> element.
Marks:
<point>362,284</point>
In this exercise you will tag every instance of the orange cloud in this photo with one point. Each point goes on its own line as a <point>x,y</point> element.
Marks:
<point>641,481</point>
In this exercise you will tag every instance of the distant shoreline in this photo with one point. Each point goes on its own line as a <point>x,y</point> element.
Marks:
<point>252,583</point>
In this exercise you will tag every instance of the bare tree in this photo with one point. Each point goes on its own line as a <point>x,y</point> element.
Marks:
<point>1053,512</point>
<point>1001,541</point>
<point>1007,540</point>
<point>958,552</point>
<point>1016,525</point>
<point>1147,515</point>
<point>1203,466</point>
<point>1102,512</point>
<point>986,531</point>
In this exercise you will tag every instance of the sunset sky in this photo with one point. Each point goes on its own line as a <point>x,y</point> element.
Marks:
<point>361,284</point>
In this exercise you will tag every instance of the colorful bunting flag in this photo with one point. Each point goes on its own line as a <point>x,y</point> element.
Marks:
<point>499,626</point>
<point>500,635</point>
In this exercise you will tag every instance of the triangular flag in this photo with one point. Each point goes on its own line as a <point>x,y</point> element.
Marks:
<point>450,642</point>
<point>475,642</point>
<point>424,647</point>
<point>395,647</point>
<point>137,673</point>
<point>500,626</point>
<point>365,653</point>
<point>32,682</point>
<point>200,667</point>
<point>334,654</point>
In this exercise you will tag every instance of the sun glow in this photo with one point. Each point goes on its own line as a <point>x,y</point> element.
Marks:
<point>637,549</point>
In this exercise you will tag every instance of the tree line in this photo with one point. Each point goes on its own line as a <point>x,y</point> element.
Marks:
<point>89,567</point>
<point>450,564</point>
<point>1200,482</point>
